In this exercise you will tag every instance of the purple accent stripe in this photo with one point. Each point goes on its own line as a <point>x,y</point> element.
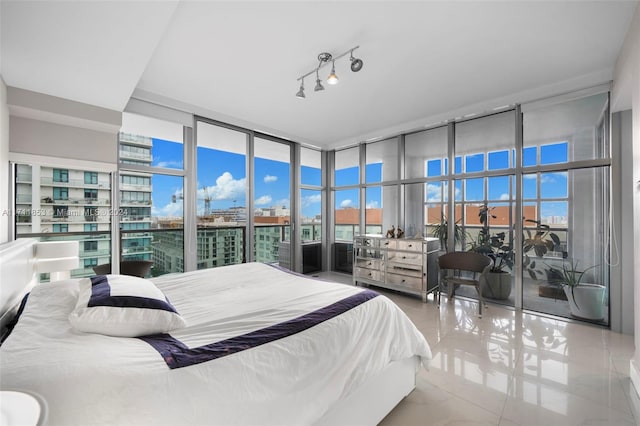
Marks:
<point>101,296</point>
<point>176,354</point>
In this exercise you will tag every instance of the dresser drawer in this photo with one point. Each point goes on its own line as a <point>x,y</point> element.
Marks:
<point>369,263</point>
<point>369,274</point>
<point>410,245</point>
<point>412,270</point>
<point>414,283</point>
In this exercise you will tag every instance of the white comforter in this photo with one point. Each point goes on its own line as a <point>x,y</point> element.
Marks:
<point>96,379</point>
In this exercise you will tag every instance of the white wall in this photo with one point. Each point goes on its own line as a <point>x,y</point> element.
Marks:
<point>4,164</point>
<point>627,87</point>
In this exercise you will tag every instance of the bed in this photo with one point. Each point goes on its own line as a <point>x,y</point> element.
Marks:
<point>349,357</point>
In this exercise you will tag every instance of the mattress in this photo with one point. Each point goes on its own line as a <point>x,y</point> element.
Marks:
<point>292,378</point>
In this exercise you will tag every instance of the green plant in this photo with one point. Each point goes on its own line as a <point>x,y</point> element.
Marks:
<point>542,242</point>
<point>441,231</point>
<point>493,246</point>
<point>568,276</point>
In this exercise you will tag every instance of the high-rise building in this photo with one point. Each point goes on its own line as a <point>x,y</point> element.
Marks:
<point>58,200</point>
<point>135,198</point>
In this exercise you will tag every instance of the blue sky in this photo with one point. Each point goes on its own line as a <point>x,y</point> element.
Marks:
<point>222,178</point>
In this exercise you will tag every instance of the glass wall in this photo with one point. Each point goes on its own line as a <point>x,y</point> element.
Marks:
<point>151,210</point>
<point>311,194</point>
<point>63,204</point>
<point>311,209</point>
<point>347,201</point>
<point>566,210</point>
<point>484,166</point>
<point>425,203</point>
<point>534,197</point>
<point>222,195</point>
<point>272,201</point>
<point>381,203</point>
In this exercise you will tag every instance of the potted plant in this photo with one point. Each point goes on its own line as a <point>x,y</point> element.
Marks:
<point>441,231</point>
<point>538,243</point>
<point>498,280</point>
<point>586,301</point>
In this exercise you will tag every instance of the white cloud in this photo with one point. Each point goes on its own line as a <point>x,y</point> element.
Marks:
<point>311,199</point>
<point>226,188</point>
<point>269,178</point>
<point>346,203</point>
<point>261,201</point>
<point>504,196</point>
<point>282,203</point>
<point>171,164</point>
<point>169,210</point>
<point>372,205</point>
<point>433,193</point>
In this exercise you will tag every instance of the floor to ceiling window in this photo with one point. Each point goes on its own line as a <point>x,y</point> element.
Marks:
<point>381,202</point>
<point>425,160</point>
<point>272,201</point>
<point>484,166</point>
<point>311,190</point>
<point>527,186</point>
<point>62,204</point>
<point>151,180</point>
<point>566,207</point>
<point>346,214</point>
<point>222,195</point>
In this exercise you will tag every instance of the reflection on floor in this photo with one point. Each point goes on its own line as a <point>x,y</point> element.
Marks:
<point>511,368</point>
<point>532,300</point>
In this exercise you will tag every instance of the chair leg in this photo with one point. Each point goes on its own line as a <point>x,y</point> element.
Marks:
<point>480,302</point>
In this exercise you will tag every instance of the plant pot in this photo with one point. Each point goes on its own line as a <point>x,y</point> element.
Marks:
<point>588,302</point>
<point>497,285</point>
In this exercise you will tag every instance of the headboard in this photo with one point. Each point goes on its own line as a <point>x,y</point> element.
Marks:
<point>17,275</point>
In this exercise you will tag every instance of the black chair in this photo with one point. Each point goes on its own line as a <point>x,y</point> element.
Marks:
<point>136,268</point>
<point>452,268</point>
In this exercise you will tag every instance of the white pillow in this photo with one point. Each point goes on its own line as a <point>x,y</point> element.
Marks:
<point>123,305</point>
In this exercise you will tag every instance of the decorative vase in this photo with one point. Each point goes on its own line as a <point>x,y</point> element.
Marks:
<point>497,285</point>
<point>587,301</point>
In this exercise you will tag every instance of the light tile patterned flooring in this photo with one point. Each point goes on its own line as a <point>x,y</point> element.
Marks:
<point>512,368</point>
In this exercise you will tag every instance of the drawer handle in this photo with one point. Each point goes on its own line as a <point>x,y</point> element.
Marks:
<point>410,245</point>
<point>387,243</point>
<point>403,280</point>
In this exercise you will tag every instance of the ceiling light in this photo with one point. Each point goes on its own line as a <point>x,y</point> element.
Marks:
<point>300,93</point>
<point>323,59</point>
<point>333,78</point>
<point>356,64</point>
<point>319,85</point>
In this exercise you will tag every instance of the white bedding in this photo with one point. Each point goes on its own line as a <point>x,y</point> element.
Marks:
<point>96,379</point>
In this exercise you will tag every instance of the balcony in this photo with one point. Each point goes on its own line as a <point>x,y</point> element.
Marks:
<point>127,155</point>
<point>23,178</point>
<point>74,183</point>
<point>133,139</point>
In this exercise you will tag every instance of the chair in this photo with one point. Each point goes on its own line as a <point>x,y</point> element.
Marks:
<point>137,268</point>
<point>451,265</point>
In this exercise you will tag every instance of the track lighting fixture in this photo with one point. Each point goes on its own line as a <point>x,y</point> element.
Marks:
<point>319,85</point>
<point>300,93</point>
<point>323,59</point>
<point>333,78</point>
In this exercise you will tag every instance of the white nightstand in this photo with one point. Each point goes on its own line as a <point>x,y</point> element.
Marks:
<point>22,408</point>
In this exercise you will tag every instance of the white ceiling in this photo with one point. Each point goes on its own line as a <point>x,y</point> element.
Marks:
<point>238,61</point>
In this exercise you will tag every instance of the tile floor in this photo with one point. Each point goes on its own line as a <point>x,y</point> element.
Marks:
<point>513,368</point>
